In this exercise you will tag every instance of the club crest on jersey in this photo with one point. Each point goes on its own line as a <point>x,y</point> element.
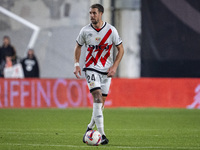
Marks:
<point>92,84</point>
<point>97,39</point>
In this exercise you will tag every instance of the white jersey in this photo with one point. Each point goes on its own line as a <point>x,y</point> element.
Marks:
<point>99,43</point>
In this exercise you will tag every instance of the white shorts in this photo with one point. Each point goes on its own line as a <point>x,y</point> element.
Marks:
<point>98,81</point>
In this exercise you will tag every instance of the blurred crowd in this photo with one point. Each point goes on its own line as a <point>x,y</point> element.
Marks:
<point>12,66</point>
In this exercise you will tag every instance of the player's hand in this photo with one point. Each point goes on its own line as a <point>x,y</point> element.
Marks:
<point>111,71</point>
<point>77,72</point>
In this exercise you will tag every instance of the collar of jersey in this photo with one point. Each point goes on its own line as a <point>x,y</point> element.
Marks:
<point>101,27</point>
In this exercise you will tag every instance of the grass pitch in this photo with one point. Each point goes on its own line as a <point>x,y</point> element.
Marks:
<point>63,129</point>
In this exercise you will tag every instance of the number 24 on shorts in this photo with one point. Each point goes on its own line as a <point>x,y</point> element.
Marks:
<point>90,78</point>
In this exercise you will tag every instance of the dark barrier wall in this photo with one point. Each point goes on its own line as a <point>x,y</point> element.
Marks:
<point>170,38</point>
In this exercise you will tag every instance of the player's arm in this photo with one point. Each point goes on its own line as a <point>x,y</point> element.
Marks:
<point>77,54</point>
<point>112,70</point>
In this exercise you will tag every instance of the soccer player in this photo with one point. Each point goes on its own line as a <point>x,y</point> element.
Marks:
<point>99,68</point>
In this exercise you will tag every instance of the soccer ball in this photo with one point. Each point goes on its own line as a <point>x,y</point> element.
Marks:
<point>93,137</point>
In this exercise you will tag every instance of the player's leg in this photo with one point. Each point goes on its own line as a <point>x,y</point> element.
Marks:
<point>93,82</point>
<point>97,110</point>
<point>91,125</point>
<point>98,114</point>
<point>105,85</point>
<point>104,138</point>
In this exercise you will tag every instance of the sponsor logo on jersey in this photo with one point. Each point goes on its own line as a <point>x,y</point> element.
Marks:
<point>90,59</point>
<point>99,47</point>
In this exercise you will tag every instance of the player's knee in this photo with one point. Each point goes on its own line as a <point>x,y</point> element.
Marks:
<point>97,96</point>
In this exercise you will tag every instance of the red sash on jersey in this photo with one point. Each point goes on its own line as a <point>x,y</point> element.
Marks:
<point>102,44</point>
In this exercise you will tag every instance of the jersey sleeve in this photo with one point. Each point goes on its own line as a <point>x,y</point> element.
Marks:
<point>80,39</point>
<point>116,38</point>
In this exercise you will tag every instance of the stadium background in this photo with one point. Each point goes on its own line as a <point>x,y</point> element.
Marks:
<point>157,79</point>
<point>161,39</point>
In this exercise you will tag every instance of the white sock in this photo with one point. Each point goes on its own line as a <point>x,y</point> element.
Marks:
<point>92,122</point>
<point>98,117</point>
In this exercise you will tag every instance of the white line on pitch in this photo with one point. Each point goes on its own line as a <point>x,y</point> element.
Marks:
<point>37,133</point>
<point>106,147</point>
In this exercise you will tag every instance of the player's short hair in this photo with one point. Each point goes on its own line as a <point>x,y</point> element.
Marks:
<point>6,37</point>
<point>99,7</point>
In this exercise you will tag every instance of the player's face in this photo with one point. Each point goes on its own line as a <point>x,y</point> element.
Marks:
<point>6,41</point>
<point>30,54</point>
<point>95,15</point>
